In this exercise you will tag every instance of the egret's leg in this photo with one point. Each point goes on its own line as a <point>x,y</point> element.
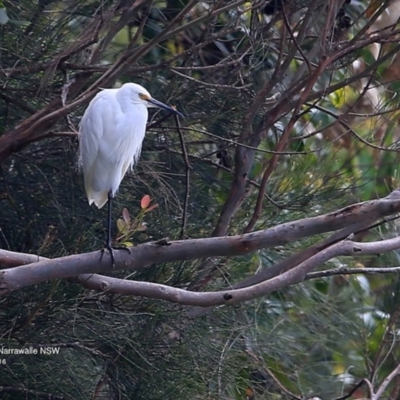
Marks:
<point>109,246</point>
<point>108,243</point>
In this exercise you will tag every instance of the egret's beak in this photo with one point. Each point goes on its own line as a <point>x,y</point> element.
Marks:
<point>156,103</point>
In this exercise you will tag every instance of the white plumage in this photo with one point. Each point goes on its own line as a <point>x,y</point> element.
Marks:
<point>111,135</point>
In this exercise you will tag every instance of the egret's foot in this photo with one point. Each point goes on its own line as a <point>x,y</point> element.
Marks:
<point>111,249</point>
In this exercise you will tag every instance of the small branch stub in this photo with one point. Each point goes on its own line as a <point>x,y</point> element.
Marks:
<point>227,296</point>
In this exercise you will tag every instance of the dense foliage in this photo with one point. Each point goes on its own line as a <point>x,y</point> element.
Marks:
<point>291,110</point>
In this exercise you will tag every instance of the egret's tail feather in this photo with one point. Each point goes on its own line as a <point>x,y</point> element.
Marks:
<point>98,198</point>
<point>99,201</point>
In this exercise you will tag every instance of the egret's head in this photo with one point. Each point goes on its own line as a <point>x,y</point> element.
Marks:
<point>138,94</point>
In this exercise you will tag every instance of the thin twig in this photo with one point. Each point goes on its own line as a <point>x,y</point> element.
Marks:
<point>351,271</point>
<point>283,388</point>
<point>346,396</point>
<point>187,176</point>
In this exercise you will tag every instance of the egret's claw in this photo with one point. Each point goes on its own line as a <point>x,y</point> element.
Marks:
<point>111,249</point>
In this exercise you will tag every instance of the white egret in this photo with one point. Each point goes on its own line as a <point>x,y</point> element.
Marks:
<point>111,133</point>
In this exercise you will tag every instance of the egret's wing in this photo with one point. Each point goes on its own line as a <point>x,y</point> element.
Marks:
<point>111,136</point>
<point>127,140</point>
<point>94,132</point>
<point>91,130</point>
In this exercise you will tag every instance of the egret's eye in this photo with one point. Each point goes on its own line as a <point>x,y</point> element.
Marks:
<point>142,96</point>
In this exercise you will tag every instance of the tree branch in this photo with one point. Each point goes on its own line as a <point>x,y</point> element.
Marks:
<point>208,299</point>
<point>154,253</point>
<point>385,383</point>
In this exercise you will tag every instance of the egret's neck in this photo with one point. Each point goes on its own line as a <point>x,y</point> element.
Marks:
<point>130,106</point>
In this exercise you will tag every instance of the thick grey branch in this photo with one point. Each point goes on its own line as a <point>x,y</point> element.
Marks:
<point>207,299</point>
<point>155,253</point>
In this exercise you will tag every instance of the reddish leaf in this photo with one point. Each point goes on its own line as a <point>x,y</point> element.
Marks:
<point>151,208</point>
<point>141,228</point>
<point>126,216</point>
<point>146,199</point>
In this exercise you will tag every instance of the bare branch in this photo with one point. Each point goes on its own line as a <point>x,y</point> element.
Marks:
<point>351,271</point>
<point>385,383</point>
<point>9,259</point>
<point>208,299</point>
<point>155,253</point>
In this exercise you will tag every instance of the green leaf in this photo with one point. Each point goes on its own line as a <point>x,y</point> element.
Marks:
<point>121,225</point>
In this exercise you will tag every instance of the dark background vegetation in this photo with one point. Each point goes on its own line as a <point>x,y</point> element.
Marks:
<point>291,111</point>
